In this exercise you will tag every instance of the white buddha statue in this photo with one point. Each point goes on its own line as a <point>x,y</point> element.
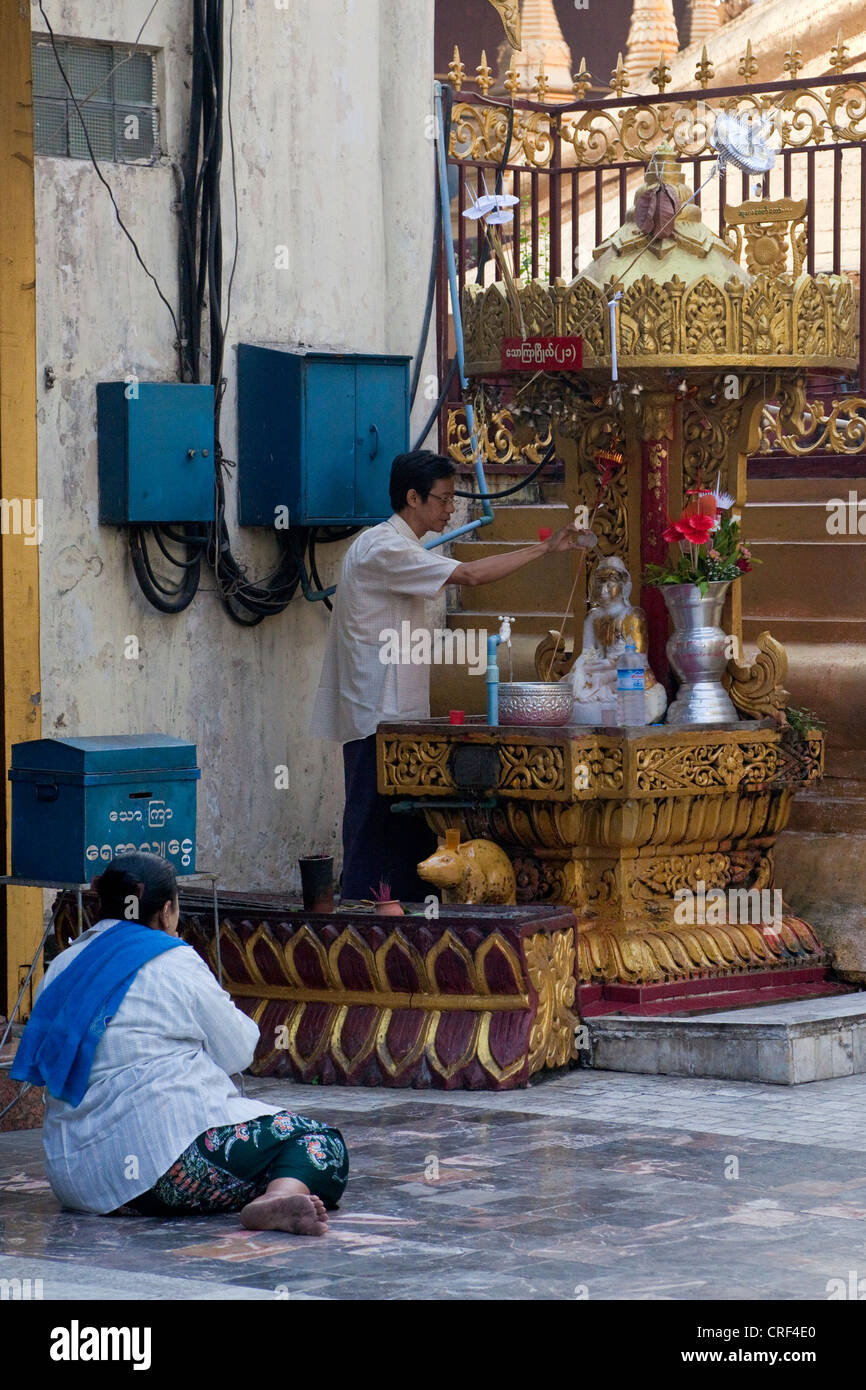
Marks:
<point>611,622</point>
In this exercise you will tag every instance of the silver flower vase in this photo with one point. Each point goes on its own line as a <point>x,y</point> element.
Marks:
<point>696,651</point>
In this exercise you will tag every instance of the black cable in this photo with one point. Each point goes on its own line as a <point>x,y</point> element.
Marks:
<point>314,572</point>
<point>120,222</point>
<point>173,559</point>
<point>547,458</point>
<point>165,599</point>
<point>438,215</point>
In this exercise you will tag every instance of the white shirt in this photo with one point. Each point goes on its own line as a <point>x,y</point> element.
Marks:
<point>386,580</point>
<point>160,1077</point>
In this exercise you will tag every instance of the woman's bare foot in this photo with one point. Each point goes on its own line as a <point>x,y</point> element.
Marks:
<point>299,1214</point>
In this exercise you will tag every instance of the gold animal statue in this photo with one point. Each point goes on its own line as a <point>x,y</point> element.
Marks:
<point>477,871</point>
<point>509,13</point>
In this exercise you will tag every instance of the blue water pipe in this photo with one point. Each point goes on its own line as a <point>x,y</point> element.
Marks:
<point>445,207</point>
<point>503,635</point>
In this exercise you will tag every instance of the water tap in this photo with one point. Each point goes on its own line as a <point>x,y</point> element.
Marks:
<point>505,629</point>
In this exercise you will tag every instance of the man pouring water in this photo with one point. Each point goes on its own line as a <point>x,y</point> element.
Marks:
<point>385,584</point>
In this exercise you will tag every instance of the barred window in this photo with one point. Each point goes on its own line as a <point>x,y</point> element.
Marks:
<point>115,88</point>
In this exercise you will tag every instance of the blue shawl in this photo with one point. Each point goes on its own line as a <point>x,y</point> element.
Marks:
<point>73,1011</point>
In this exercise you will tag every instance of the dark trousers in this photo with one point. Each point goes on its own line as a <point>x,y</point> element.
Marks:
<point>377,843</point>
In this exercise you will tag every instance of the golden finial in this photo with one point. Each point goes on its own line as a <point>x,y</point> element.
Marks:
<point>456,71</point>
<point>512,81</point>
<point>582,81</point>
<point>704,70</point>
<point>793,60</point>
<point>839,55</point>
<point>619,77</point>
<point>485,74</point>
<point>541,82</point>
<point>661,75</point>
<point>748,66</point>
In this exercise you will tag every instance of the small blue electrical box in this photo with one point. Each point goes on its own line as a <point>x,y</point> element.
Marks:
<point>77,802</point>
<point>156,442</point>
<point>317,434</point>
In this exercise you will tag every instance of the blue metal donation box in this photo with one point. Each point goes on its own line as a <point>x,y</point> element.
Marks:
<point>78,802</point>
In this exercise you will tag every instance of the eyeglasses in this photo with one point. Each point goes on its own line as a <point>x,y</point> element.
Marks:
<point>441,496</point>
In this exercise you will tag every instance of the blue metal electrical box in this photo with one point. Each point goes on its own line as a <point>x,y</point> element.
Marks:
<point>156,442</point>
<point>77,802</point>
<point>317,434</point>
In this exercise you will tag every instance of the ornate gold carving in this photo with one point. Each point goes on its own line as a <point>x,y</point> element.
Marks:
<point>509,13</point>
<point>533,767</point>
<point>550,963</point>
<point>772,227</point>
<point>495,435</point>
<point>669,324</point>
<point>811,115</point>
<point>480,132</point>
<point>657,415</point>
<point>456,71</point>
<point>644,956</point>
<point>566,656</point>
<point>799,427</point>
<point>416,764</point>
<point>757,689</point>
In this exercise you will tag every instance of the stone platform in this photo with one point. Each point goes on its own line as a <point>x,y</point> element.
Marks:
<point>785,1044</point>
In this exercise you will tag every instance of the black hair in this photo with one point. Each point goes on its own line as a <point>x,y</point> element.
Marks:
<point>418,470</point>
<point>136,886</point>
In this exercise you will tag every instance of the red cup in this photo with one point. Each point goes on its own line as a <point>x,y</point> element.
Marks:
<point>456,716</point>
<point>544,533</point>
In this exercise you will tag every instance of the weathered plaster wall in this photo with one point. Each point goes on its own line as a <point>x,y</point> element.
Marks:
<point>333,160</point>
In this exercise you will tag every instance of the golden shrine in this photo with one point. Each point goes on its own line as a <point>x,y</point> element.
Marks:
<point>614,822</point>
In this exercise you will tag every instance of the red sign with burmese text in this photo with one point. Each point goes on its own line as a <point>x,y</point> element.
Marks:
<point>542,354</point>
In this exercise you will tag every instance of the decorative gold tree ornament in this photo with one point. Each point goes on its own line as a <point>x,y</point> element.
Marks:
<point>619,78</point>
<point>485,74</point>
<point>582,81</point>
<point>456,71</point>
<point>704,70</point>
<point>748,66</point>
<point>839,55</point>
<point>509,13</point>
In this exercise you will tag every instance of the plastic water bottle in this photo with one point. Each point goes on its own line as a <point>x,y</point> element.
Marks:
<point>631,686</point>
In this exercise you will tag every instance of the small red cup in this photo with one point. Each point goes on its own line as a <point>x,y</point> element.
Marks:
<point>544,533</point>
<point>456,716</point>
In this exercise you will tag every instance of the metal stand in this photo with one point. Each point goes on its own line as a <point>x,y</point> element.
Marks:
<point>7,881</point>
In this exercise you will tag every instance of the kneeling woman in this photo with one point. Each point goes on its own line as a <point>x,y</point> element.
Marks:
<point>135,1043</point>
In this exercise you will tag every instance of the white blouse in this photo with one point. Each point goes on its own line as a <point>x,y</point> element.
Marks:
<point>160,1077</point>
<point>386,580</point>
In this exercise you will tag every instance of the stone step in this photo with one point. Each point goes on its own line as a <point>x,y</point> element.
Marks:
<point>549,578</point>
<point>784,491</point>
<point>808,630</point>
<point>798,521</point>
<point>798,580</point>
<point>520,522</point>
<point>785,1043</point>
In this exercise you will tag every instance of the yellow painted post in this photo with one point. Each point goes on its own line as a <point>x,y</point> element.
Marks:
<point>19,560</point>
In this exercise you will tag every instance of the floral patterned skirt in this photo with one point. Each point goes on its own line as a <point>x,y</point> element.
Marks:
<point>228,1166</point>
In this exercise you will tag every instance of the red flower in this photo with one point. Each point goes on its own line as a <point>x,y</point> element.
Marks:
<point>696,529</point>
<point>704,503</point>
<point>744,565</point>
<point>671,535</point>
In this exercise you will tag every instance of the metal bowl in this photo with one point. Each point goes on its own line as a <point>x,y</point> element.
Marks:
<point>534,702</point>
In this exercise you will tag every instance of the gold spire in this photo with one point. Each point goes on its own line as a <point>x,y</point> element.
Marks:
<point>703,18</point>
<point>652,32</point>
